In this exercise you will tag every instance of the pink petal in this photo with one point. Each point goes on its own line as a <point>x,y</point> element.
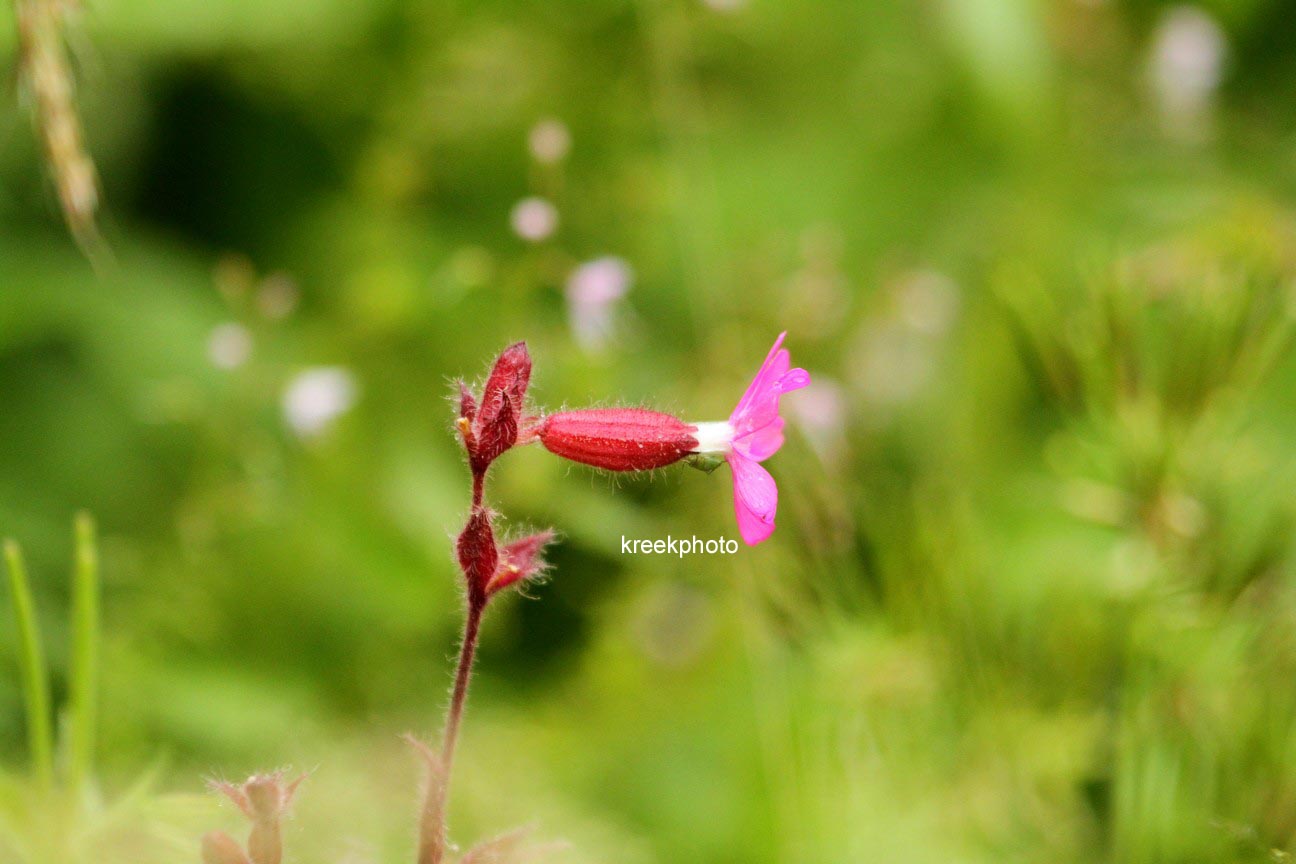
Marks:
<point>794,380</point>
<point>764,409</point>
<point>758,429</point>
<point>755,499</point>
<point>763,376</point>
<point>762,443</point>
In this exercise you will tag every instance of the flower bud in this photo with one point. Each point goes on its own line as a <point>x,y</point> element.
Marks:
<point>618,439</point>
<point>478,554</point>
<point>520,560</point>
<point>490,427</point>
<point>497,431</point>
<point>510,375</point>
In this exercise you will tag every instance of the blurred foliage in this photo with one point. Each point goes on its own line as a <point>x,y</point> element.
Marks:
<point>1031,597</point>
<point>62,816</point>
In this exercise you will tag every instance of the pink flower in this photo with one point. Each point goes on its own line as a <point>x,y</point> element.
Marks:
<point>594,289</point>
<point>753,433</point>
<point>534,219</point>
<point>637,439</point>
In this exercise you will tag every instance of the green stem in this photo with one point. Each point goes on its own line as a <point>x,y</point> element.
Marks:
<point>35,677</point>
<point>84,675</point>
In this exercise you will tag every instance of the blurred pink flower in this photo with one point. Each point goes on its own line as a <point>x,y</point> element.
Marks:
<point>534,219</point>
<point>549,141</point>
<point>593,291</point>
<point>821,414</point>
<point>753,433</point>
<point>1188,57</point>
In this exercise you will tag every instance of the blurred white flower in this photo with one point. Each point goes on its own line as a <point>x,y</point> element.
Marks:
<point>594,290</point>
<point>277,297</point>
<point>229,346</point>
<point>820,411</point>
<point>315,397</point>
<point>1186,65</point>
<point>534,219</point>
<point>927,301</point>
<point>549,141</point>
<point>725,5</point>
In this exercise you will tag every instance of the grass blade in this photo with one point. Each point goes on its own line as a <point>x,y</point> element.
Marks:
<point>35,677</point>
<point>84,674</point>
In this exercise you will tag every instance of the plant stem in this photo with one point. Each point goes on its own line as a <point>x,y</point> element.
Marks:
<point>35,680</point>
<point>433,839</point>
<point>84,675</point>
<point>467,651</point>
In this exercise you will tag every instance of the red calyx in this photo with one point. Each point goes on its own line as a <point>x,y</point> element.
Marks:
<point>491,427</point>
<point>510,375</point>
<point>478,554</point>
<point>618,439</point>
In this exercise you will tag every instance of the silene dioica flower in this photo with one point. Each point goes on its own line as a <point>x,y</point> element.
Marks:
<point>490,423</point>
<point>636,439</point>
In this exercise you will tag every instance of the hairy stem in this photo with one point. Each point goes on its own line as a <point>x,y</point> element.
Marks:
<point>467,652</point>
<point>478,488</point>
<point>433,840</point>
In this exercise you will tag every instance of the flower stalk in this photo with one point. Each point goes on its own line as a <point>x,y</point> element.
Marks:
<point>432,832</point>
<point>489,426</point>
<point>467,653</point>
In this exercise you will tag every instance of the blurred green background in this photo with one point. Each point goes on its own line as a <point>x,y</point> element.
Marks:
<point>1032,593</point>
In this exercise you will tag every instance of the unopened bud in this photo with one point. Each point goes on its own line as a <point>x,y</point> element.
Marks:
<point>510,375</point>
<point>478,554</point>
<point>497,431</point>
<point>490,427</point>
